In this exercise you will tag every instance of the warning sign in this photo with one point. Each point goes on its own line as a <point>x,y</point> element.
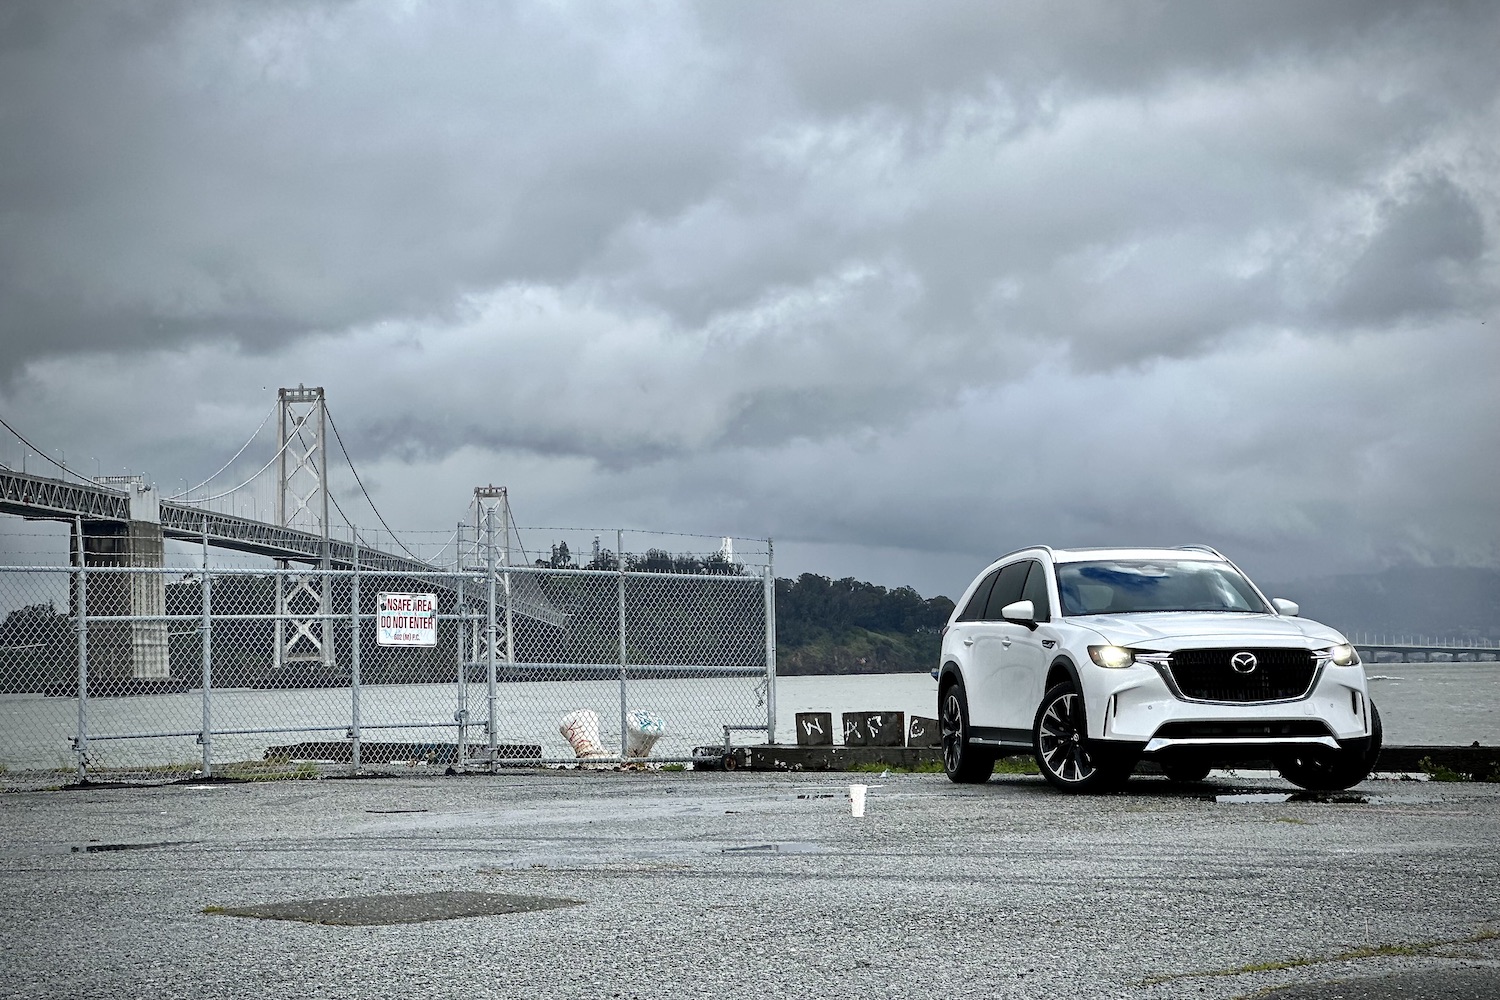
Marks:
<point>406,619</point>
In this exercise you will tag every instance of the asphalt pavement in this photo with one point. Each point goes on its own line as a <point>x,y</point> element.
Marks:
<point>605,884</point>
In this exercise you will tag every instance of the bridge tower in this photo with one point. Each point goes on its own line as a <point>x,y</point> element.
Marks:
<point>303,602</point>
<point>131,655</point>
<point>491,515</point>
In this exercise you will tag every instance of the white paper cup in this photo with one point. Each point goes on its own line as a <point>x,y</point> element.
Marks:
<point>857,799</point>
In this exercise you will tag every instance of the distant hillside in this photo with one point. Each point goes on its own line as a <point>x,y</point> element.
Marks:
<point>1433,601</point>
<point>846,626</point>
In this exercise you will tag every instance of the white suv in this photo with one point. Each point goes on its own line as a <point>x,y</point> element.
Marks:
<point>1091,659</point>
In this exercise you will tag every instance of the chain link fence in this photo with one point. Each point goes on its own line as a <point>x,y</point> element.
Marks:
<point>119,673</point>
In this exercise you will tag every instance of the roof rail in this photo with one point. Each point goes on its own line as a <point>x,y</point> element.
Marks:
<point>1025,548</point>
<point>1204,548</point>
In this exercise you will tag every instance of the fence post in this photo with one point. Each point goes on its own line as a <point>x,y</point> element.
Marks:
<point>620,567</point>
<point>770,599</point>
<point>354,663</point>
<point>510,621</point>
<point>81,629</point>
<point>461,714</point>
<point>206,630</point>
<point>490,635</point>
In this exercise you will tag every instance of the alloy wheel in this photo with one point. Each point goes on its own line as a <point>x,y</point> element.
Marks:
<point>1062,741</point>
<point>951,728</point>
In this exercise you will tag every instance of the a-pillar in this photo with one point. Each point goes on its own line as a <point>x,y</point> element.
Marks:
<point>121,652</point>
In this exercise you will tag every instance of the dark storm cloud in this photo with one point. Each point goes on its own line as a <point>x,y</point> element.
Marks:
<point>905,55</point>
<point>269,171</point>
<point>784,262</point>
<point>1426,255</point>
<point>185,170</point>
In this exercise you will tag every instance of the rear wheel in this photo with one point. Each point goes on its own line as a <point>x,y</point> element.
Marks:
<point>1320,769</point>
<point>962,762</point>
<point>1068,759</point>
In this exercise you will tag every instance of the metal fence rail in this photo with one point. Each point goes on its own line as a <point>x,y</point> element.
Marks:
<point>124,673</point>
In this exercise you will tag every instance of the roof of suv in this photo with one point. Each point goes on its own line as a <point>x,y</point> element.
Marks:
<point>1185,552</point>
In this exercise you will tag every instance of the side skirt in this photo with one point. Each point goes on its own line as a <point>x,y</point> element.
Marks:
<point>1007,741</point>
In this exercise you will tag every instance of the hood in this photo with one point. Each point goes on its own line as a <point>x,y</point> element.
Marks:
<point>1206,629</point>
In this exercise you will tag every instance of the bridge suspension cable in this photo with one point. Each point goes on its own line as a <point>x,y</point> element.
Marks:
<point>255,475</point>
<point>253,436</point>
<point>350,462</point>
<point>42,453</point>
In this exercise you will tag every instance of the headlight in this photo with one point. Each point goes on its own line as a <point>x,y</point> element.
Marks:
<point>1113,657</point>
<point>1342,655</point>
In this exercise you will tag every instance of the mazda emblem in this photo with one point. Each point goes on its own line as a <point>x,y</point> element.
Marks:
<point>1243,663</point>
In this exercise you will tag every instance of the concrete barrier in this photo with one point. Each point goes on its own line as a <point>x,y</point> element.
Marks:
<point>874,729</point>
<point>923,732</point>
<point>815,729</point>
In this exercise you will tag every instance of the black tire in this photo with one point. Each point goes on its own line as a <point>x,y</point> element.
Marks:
<point>1184,772</point>
<point>1068,759</point>
<point>1323,770</point>
<point>962,761</point>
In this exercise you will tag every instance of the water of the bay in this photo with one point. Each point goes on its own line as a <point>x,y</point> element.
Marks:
<point>1452,704</point>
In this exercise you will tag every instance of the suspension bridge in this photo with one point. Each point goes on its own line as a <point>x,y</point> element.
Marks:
<point>122,523</point>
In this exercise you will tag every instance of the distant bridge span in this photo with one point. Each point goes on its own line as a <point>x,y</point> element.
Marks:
<point>41,498</point>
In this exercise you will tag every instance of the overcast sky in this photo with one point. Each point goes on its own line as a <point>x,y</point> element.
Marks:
<point>902,285</point>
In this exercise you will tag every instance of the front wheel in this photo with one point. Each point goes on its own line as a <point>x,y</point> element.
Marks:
<point>962,761</point>
<point>1324,770</point>
<point>1068,759</point>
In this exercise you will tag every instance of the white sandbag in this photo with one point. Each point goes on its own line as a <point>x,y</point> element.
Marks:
<point>643,730</point>
<point>581,730</point>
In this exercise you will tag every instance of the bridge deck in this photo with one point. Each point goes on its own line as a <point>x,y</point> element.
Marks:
<point>41,498</point>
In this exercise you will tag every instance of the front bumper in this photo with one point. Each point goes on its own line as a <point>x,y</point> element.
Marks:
<point>1137,705</point>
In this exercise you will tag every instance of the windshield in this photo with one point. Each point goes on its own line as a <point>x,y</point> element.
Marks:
<point>1122,586</point>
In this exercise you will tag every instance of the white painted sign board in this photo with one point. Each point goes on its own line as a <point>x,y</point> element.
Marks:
<point>406,619</point>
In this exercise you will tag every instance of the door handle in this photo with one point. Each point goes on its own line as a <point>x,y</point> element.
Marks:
<point>968,642</point>
<point>1005,642</point>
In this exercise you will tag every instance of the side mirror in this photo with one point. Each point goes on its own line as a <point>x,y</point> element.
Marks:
<point>1021,612</point>
<point>1285,607</point>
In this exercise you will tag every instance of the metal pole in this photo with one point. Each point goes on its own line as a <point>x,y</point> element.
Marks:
<point>354,662</point>
<point>461,716</point>
<point>281,458</point>
<point>510,620</point>
<point>490,635</point>
<point>326,600</point>
<point>620,566</point>
<point>770,599</point>
<point>279,575</point>
<point>81,629</point>
<point>206,630</point>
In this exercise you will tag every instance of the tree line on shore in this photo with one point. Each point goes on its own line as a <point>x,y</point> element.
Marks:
<point>848,626</point>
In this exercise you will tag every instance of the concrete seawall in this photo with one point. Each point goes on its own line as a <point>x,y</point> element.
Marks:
<point>1475,761</point>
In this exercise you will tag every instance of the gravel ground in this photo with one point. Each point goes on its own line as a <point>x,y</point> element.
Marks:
<point>755,885</point>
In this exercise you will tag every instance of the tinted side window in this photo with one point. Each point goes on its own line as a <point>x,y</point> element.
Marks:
<point>1007,588</point>
<point>1035,591</point>
<point>974,610</point>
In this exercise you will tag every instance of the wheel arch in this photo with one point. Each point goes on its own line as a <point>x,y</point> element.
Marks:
<point>1063,669</point>
<point>949,673</point>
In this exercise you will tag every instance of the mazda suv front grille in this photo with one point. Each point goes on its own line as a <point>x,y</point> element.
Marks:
<point>1243,675</point>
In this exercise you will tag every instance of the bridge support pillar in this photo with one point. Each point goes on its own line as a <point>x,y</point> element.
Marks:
<point>127,651</point>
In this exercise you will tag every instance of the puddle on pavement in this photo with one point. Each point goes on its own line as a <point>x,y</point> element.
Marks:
<point>784,847</point>
<point>411,908</point>
<point>106,848</point>
<point>385,812</point>
<point>1253,798</point>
